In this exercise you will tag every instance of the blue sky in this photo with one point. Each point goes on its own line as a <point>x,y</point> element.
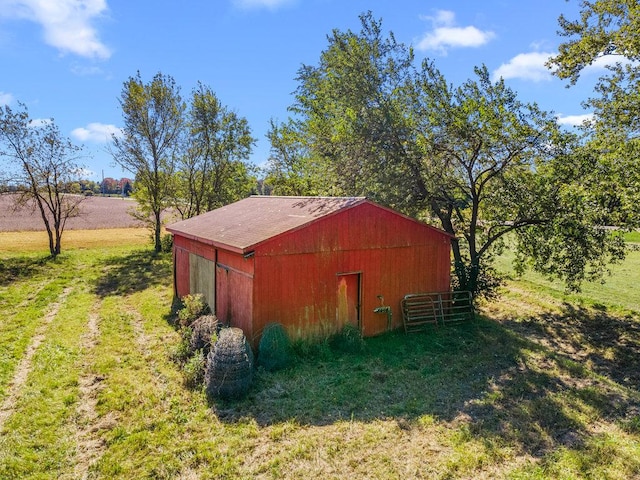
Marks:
<point>68,59</point>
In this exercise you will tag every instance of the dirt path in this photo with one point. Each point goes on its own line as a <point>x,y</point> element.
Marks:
<point>90,446</point>
<point>25,365</point>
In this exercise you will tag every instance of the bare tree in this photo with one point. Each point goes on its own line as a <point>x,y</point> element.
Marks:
<point>42,163</point>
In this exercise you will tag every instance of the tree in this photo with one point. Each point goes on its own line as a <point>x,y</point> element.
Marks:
<point>109,186</point>
<point>473,159</point>
<point>153,116</point>
<point>608,28</point>
<point>127,188</point>
<point>45,163</point>
<point>354,126</point>
<point>214,169</point>
<point>290,169</point>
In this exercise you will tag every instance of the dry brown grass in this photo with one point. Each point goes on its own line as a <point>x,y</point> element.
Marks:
<point>24,242</point>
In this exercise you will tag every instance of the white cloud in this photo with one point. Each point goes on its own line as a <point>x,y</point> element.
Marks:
<point>96,132</point>
<point>67,24</point>
<point>6,98</point>
<point>526,66</point>
<point>574,120</point>
<point>446,35</point>
<point>601,63</point>
<point>255,4</point>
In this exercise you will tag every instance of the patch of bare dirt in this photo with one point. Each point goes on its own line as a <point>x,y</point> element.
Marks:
<point>25,365</point>
<point>95,213</point>
<point>90,445</point>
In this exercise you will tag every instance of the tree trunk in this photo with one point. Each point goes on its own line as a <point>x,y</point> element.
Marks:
<point>157,233</point>
<point>52,247</point>
<point>58,247</point>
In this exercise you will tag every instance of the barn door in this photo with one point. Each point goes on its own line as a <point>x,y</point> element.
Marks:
<point>202,278</point>
<point>348,309</point>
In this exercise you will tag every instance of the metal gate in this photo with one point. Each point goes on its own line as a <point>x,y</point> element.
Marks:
<point>422,309</point>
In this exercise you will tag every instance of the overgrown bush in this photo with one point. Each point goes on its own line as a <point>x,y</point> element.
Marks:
<point>193,306</point>
<point>274,350</point>
<point>349,340</point>
<point>204,333</point>
<point>229,370</point>
<point>194,369</point>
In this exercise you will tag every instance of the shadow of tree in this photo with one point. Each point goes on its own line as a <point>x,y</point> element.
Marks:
<point>481,378</point>
<point>606,344</point>
<point>133,272</point>
<point>18,268</point>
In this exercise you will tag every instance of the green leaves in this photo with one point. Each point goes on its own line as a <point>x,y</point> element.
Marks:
<point>473,158</point>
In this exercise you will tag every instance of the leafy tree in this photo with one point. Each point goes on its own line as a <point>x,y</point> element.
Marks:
<point>353,120</point>
<point>153,116</point>
<point>473,159</point>
<point>110,185</point>
<point>214,169</point>
<point>605,27</point>
<point>127,188</point>
<point>46,164</point>
<point>290,169</point>
<point>608,28</point>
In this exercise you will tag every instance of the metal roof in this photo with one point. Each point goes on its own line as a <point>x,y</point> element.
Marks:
<point>246,223</point>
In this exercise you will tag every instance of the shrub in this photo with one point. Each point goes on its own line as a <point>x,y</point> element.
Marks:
<point>194,306</point>
<point>166,242</point>
<point>194,369</point>
<point>349,340</point>
<point>229,370</point>
<point>182,351</point>
<point>274,350</point>
<point>204,333</point>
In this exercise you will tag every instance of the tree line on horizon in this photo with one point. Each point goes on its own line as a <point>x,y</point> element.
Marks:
<point>366,120</point>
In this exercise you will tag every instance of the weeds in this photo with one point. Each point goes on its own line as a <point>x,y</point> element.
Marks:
<point>193,307</point>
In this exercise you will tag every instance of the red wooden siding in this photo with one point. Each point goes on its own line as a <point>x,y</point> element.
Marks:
<point>181,271</point>
<point>306,278</point>
<point>295,274</point>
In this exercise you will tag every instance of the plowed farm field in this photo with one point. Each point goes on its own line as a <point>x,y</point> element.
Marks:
<point>96,213</point>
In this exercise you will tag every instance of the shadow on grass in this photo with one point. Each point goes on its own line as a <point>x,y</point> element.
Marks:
<point>18,268</point>
<point>607,344</point>
<point>480,377</point>
<point>133,272</point>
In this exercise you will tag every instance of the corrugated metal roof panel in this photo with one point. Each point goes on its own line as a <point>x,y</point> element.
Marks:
<point>253,220</point>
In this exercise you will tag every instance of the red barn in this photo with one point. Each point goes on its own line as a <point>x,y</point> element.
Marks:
<point>312,264</point>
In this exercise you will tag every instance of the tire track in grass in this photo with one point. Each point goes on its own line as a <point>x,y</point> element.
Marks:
<point>90,445</point>
<point>25,365</point>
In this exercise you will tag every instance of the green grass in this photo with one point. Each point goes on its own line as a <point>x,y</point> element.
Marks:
<point>542,385</point>
<point>619,290</point>
<point>632,237</point>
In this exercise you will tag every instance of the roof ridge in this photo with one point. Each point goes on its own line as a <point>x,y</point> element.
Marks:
<point>310,196</point>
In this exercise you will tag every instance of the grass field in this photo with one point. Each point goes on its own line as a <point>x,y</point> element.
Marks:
<point>541,385</point>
